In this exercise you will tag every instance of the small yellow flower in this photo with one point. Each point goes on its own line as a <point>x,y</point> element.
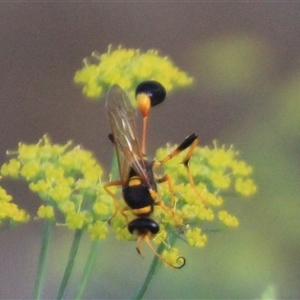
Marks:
<point>241,168</point>
<point>61,192</point>
<point>122,233</point>
<point>190,211</point>
<point>220,158</point>
<point>75,220</point>
<point>11,169</point>
<point>172,256</point>
<point>46,212</point>
<point>30,170</point>
<point>195,238</point>
<point>205,213</point>
<point>227,219</point>
<point>67,207</point>
<point>98,230</point>
<point>219,180</point>
<point>214,200</point>
<point>101,208</point>
<point>18,215</point>
<point>245,187</point>
<point>92,173</point>
<point>10,211</point>
<point>27,152</point>
<point>4,196</point>
<point>41,186</point>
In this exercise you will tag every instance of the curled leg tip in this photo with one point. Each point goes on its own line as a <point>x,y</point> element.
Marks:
<point>180,258</point>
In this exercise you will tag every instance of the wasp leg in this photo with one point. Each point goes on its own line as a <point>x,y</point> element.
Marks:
<point>177,218</point>
<point>147,237</point>
<point>190,142</point>
<point>106,187</point>
<point>185,162</point>
<point>138,246</point>
<point>168,179</point>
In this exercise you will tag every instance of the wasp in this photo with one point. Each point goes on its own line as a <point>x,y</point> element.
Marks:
<point>139,185</point>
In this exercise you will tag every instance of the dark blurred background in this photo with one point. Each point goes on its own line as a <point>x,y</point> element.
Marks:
<point>244,57</point>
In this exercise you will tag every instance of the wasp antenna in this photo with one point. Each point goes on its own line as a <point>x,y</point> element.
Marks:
<point>146,238</point>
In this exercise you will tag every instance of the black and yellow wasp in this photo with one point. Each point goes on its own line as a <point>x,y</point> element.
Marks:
<point>138,182</point>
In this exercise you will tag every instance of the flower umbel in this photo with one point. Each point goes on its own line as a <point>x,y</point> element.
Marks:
<point>127,68</point>
<point>67,179</point>
<point>216,172</point>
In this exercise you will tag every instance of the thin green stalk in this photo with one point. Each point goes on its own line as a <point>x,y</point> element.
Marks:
<point>40,276</point>
<point>154,266</point>
<point>70,264</point>
<point>152,270</point>
<point>114,167</point>
<point>87,269</point>
<point>95,246</point>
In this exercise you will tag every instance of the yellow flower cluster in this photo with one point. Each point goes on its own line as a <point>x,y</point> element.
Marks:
<point>127,68</point>
<point>214,170</point>
<point>9,211</point>
<point>68,180</point>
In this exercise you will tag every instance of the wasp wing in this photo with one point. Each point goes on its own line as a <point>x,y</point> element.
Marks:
<point>122,123</point>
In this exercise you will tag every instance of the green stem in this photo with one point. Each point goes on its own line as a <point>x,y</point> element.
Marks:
<point>40,276</point>
<point>87,269</point>
<point>70,264</point>
<point>114,167</point>
<point>152,270</point>
<point>156,262</point>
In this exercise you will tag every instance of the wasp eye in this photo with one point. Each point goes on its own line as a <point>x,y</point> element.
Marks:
<point>154,89</point>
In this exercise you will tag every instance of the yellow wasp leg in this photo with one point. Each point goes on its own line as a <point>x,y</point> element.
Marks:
<point>168,179</point>
<point>106,187</point>
<point>147,237</point>
<point>190,142</point>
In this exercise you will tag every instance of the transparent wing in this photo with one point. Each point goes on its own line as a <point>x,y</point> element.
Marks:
<point>121,118</point>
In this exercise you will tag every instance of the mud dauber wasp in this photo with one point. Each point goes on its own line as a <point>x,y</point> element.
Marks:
<point>138,182</point>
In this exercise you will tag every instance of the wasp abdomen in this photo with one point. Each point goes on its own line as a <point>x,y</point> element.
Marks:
<point>143,226</point>
<point>138,196</point>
